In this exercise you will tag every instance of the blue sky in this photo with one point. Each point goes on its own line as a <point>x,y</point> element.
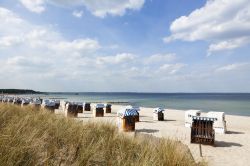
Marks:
<point>125,45</point>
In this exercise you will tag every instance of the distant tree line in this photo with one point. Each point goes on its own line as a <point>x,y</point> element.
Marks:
<point>19,91</point>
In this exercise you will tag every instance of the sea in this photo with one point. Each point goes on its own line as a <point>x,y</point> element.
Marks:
<point>230,103</point>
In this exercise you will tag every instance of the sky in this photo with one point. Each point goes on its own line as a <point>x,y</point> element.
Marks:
<point>125,45</point>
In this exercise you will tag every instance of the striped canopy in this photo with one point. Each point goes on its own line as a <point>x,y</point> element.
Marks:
<point>99,106</point>
<point>49,103</point>
<point>204,118</point>
<point>156,110</point>
<point>56,101</point>
<point>17,99</point>
<point>26,101</point>
<point>127,112</point>
<point>35,101</point>
<point>133,107</point>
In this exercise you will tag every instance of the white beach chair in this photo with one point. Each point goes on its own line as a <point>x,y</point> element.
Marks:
<point>189,116</point>
<point>158,114</point>
<point>219,123</point>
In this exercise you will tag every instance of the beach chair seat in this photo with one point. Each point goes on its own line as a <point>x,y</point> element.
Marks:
<point>71,110</point>
<point>128,123</point>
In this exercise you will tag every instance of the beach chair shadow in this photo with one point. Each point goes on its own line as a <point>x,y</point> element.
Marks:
<point>147,131</point>
<point>147,121</point>
<point>169,120</point>
<point>107,116</point>
<point>82,117</point>
<point>234,132</point>
<point>226,144</point>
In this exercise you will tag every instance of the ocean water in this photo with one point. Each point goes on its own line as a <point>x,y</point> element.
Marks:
<point>230,103</point>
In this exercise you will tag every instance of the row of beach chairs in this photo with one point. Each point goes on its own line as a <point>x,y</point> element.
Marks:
<point>71,109</point>
<point>203,128</point>
<point>20,100</point>
<point>127,117</point>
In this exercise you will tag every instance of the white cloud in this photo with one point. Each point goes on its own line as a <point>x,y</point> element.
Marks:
<point>228,44</point>
<point>77,13</point>
<point>31,54</point>
<point>232,67</point>
<point>32,62</point>
<point>8,41</point>
<point>160,58</point>
<point>8,17</point>
<point>171,68</point>
<point>15,30</point>
<point>40,57</point>
<point>96,7</point>
<point>33,49</point>
<point>9,20</point>
<point>112,7</point>
<point>76,45</point>
<point>36,6</point>
<point>223,23</point>
<point>138,73</point>
<point>122,58</point>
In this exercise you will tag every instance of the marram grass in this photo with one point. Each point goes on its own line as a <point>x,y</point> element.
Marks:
<point>32,137</point>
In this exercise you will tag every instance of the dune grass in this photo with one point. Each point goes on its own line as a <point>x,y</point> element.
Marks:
<point>32,137</point>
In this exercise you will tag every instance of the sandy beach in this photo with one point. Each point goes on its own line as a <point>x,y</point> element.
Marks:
<point>232,148</point>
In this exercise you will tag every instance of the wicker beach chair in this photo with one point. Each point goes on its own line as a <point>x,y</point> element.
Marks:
<point>158,114</point>
<point>87,107</point>
<point>108,108</point>
<point>99,110</point>
<point>137,110</point>
<point>71,110</point>
<point>202,131</point>
<point>126,119</point>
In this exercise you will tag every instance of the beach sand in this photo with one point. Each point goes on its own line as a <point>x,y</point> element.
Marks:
<point>231,149</point>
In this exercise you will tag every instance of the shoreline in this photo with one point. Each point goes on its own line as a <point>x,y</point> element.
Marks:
<point>231,105</point>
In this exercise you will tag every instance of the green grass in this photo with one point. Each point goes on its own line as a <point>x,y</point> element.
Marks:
<point>33,137</point>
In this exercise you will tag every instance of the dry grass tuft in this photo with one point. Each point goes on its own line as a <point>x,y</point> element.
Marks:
<point>32,137</point>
